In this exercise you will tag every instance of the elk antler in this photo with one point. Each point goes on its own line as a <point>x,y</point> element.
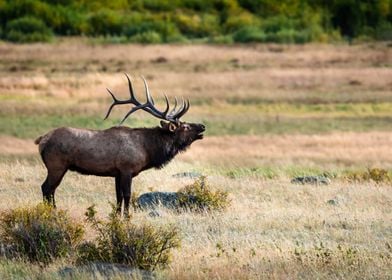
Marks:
<point>172,116</point>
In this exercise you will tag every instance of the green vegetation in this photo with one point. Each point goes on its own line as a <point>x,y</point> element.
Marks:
<point>27,29</point>
<point>280,118</point>
<point>199,196</point>
<point>222,21</point>
<point>120,241</point>
<point>39,234</point>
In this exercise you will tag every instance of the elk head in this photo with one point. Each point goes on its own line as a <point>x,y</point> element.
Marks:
<point>183,133</point>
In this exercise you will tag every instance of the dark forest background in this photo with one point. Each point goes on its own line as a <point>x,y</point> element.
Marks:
<point>216,21</point>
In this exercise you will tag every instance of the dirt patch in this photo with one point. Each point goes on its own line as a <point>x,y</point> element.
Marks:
<point>15,146</point>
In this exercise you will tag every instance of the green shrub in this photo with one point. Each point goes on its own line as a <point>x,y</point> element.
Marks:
<point>105,22</point>
<point>22,8</point>
<point>249,34</point>
<point>384,31</point>
<point>158,5</point>
<point>141,246</point>
<point>237,22</point>
<point>39,234</point>
<point>71,22</point>
<point>200,197</point>
<point>145,26</point>
<point>377,175</point>
<point>27,29</point>
<point>148,37</point>
<point>197,26</point>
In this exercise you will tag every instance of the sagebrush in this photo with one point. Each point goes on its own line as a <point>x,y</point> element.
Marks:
<point>142,246</point>
<point>200,196</point>
<point>378,175</point>
<point>39,234</point>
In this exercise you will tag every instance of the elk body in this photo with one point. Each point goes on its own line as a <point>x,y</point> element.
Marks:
<point>120,152</point>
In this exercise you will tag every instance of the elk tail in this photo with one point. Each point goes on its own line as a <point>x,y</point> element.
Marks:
<point>36,141</point>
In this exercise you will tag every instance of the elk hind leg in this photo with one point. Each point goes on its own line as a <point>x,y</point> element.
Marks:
<point>49,186</point>
<point>119,195</point>
<point>126,181</point>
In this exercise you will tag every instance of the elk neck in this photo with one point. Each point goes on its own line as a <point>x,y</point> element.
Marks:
<point>161,147</point>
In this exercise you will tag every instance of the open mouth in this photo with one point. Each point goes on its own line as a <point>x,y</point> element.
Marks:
<point>200,135</point>
<point>201,130</point>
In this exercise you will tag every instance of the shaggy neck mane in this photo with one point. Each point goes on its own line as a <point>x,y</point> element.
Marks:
<point>161,146</point>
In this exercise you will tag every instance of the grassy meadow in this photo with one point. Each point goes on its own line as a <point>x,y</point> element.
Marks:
<point>272,112</point>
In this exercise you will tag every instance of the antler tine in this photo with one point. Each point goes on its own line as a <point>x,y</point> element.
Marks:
<point>183,111</point>
<point>131,90</point>
<point>151,108</point>
<point>115,101</point>
<point>143,106</point>
<point>169,115</point>
<point>175,106</point>
<point>180,109</point>
<point>167,106</point>
<point>148,95</point>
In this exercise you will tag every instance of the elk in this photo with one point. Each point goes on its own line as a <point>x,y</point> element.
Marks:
<point>120,152</point>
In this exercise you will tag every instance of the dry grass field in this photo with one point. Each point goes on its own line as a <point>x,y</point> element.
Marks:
<point>272,112</point>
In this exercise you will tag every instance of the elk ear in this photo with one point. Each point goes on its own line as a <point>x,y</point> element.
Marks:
<point>164,124</point>
<point>172,127</point>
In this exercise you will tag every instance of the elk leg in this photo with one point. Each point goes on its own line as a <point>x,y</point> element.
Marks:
<point>126,181</point>
<point>50,184</point>
<point>119,195</point>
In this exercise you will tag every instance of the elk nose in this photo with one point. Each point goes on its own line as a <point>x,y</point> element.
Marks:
<point>202,127</point>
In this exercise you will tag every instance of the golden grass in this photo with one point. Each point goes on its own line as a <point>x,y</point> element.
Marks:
<point>257,237</point>
<point>274,229</point>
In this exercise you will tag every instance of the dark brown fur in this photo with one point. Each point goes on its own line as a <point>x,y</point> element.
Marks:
<point>119,152</point>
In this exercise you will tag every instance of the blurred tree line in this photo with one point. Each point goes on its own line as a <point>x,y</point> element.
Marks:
<point>217,21</point>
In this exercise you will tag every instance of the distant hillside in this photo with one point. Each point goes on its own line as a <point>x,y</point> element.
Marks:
<point>216,21</point>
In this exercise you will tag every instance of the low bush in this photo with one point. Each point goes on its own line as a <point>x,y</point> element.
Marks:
<point>199,196</point>
<point>27,30</point>
<point>148,37</point>
<point>139,27</point>
<point>197,25</point>
<point>239,21</point>
<point>377,175</point>
<point>105,22</point>
<point>141,246</point>
<point>39,234</point>
<point>249,34</point>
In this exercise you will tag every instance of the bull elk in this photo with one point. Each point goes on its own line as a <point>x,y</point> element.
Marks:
<point>120,152</point>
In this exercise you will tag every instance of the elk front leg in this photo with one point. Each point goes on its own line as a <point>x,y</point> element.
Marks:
<point>119,195</point>
<point>126,181</point>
